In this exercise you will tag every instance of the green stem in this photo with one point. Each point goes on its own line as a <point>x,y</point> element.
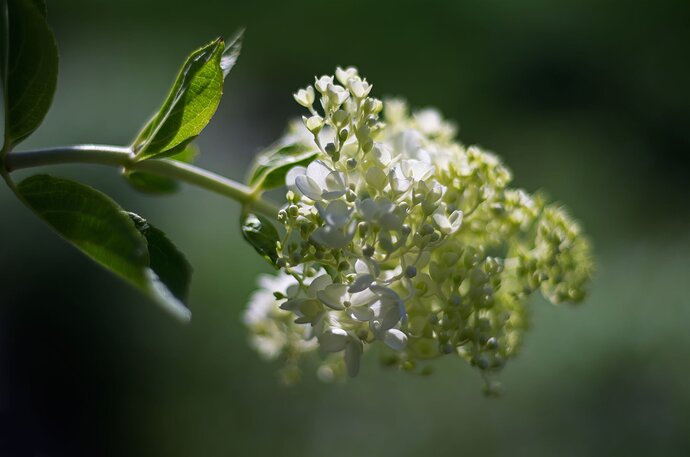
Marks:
<point>124,157</point>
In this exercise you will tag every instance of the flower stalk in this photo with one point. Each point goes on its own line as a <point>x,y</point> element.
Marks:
<point>123,157</point>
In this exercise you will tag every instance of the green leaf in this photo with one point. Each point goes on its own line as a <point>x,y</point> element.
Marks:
<point>166,260</point>
<point>262,235</point>
<point>190,105</point>
<point>98,226</point>
<point>29,68</point>
<point>271,166</point>
<point>154,184</point>
<point>231,53</point>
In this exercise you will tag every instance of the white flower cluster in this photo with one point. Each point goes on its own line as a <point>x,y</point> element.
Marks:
<point>396,233</point>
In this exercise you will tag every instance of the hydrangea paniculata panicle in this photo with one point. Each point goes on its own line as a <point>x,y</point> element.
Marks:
<point>398,235</point>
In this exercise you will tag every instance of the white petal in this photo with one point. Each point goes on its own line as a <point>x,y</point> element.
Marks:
<point>388,319</point>
<point>441,220</point>
<point>455,220</point>
<point>381,154</point>
<point>333,340</point>
<point>333,296</point>
<point>292,304</point>
<point>330,237</point>
<point>429,120</point>
<point>390,221</point>
<point>293,173</point>
<point>333,194</point>
<point>376,178</point>
<point>308,187</point>
<point>365,297</point>
<point>386,293</point>
<point>417,170</point>
<point>411,142</point>
<point>310,309</point>
<point>353,353</point>
<point>360,88</point>
<point>343,75</point>
<point>368,209</point>
<point>361,283</point>
<point>360,313</point>
<point>337,94</point>
<point>398,182</point>
<point>336,214</point>
<point>334,181</point>
<point>395,339</point>
<point>318,284</point>
<point>317,170</point>
<point>323,82</point>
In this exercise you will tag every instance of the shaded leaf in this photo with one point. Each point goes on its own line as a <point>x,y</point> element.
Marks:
<point>29,67</point>
<point>96,225</point>
<point>271,166</point>
<point>261,234</point>
<point>189,107</point>
<point>154,184</point>
<point>165,259</point>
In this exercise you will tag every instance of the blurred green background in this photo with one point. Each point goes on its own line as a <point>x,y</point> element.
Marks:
<point>588,99</point>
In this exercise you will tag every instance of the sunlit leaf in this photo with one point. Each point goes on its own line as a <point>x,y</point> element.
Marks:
<point>189,107</point>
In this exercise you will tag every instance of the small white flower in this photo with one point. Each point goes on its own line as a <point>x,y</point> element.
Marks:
<point>388,309</point>
<point>416,169</point>
<point>322,83</point>
<point>344,75</point>
<point>447,224</point>
<point>360,87</point>
<point>429,121</point>
<point>305,97</point>
<point>314,123</point>
<point>339,297</point>
<point>337,94</point>
<point>374,240</point>
<point>336,214</point>
<point>320,182</point>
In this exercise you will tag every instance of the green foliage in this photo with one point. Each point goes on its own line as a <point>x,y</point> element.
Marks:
<point>272,164</point>
<point>261,234</point>
<point>166,260</point>
<point>190,105</point>
<point>154,184</point>
<point>231,53</point>
<point>28,66</point>
<point>99,227</point>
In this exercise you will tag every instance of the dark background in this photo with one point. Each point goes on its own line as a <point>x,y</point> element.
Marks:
<point>588,99</point>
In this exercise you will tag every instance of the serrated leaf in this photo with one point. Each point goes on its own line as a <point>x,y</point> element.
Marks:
<point>165,259</point>
<point>189,107</point>
<point>271,165</point>
<point>29,68</point>
<point>154,184</point>
<point>99,227</point>
<point>261,234</point>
